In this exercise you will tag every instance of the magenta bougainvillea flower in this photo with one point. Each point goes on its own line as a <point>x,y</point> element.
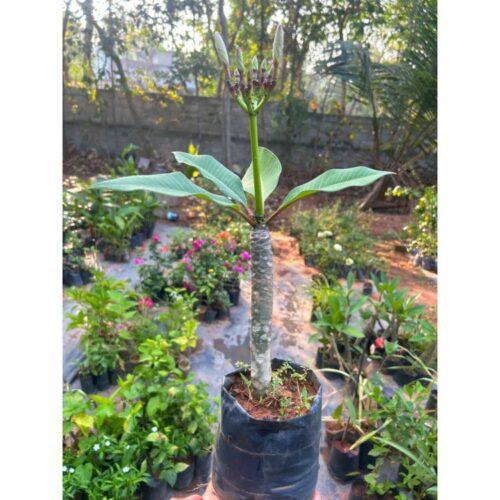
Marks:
<point>245,255</point>
<point>138,261</point>
<point>156,237</point>
<point>189,268</point>
<point>197,244</point>
<point>146,302</point>
<point>238,269</point>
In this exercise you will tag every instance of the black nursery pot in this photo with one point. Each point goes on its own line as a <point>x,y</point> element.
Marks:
<point>137,240</point>
<point>343,464</point>
<point>115,257</point>
<point>429,264</point>
<point>365,460</point>
<point>101,381</point>
<point>268,459</point>
<point>202,464</point>
<point>210,315</point>
<point>310,260</point>
<point>322,362</point>
<point>87,383</point>
<point>154,490</point>
<point>431,404</point>
<point>113,377</point>
<point>86,276</point>
<point>184,478</point>
<point>367,288</point>
<point>72,278</point>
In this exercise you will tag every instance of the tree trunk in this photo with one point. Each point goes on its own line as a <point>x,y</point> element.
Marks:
<point>262,309</point>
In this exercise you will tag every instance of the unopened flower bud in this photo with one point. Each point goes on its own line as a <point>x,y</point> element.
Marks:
<point>278,45</point>
<point>239,60</point>
<point>220,47</point>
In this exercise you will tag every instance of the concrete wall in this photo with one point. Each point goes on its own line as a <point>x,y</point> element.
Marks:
<point>319,141</point>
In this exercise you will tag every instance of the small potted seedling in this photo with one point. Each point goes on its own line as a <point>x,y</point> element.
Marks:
<point>277,452</point>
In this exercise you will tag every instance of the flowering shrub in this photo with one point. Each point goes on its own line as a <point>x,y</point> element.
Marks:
<point>152,281</point>
<point>207,264</point>
<point>338,239</point>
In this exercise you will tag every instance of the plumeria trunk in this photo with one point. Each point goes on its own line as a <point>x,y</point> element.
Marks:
<point>262,309</point>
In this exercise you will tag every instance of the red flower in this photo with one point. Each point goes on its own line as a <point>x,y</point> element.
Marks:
<point>146,302</point>
<point>379,342</point>
<point>224,235</point>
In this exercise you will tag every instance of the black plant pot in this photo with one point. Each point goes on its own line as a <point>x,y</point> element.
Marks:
<point>234,296</point>
<point>202,464</point>
<point>343,464</point>
<point>111,256</point>
<point>86,276</point>
<point>429,264</point>
<point>323,362</point>
<point>101,381</point>
<point>72,278</point>
<point>419,260</point>
<point>269,459</point>
<point>310,260</point>
<point>210,315</point>
<point>367,288</point>
<point>137,240</point>
<point>154,490</point>
<point>87,383</point>
<point>365,459</point>
<point>222,313</point>
<point>148,229</point>
<point>360,274</point>
<point>113,376</point>
<point>431,404</point>
<point>184,478</point>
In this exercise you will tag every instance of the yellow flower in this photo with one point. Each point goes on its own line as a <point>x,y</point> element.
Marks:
<point>210,270</point>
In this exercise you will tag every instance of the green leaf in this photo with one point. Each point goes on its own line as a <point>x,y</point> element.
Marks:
<point>173,184</point>
<point>270,170</point>
<point>170,476</point>
<point>337,412</point>
<point>228,182</point>
<point>353,332</point>
<point>333,180</point>
<point>180,467</point>
<point>351,410</point>
<point>84,422</point>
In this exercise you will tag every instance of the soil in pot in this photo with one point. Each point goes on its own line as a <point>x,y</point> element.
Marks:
<point>359,491</point>
<point>202,464</point>
<point>185,477</point>
<point>333,432</point>
<point>343,463</point>
<point>263,451</point>
<point>87,383</point>
<point>101,381</point>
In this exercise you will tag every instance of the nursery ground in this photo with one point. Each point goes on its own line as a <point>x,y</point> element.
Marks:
<point>223,343</point>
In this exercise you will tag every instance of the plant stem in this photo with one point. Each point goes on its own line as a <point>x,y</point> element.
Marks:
<point>254,140</point>
<point>262,309</point>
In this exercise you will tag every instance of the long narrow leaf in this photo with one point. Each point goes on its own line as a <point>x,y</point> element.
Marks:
<point>228,182</point>
<point>173,184</point>
<point>333,180</point>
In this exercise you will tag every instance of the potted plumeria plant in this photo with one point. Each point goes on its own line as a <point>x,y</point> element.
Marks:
<point>256,455</point>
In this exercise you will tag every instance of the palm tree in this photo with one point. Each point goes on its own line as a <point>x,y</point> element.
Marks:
<point>251,91</point>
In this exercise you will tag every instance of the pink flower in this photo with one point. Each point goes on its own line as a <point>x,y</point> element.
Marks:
<point>186,285</point>
<point>197,244</point>
<point>238,269</point>
<point>213,242</point>
<point>379,342</point>
<point>156,237</point>
<point>245,255</point>
<point>226,264</point>
<point>189,268</point>
<point>138,261</point>
<point>146,302</point>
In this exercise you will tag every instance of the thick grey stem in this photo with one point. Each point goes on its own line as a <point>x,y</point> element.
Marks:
<point>262,309</point>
